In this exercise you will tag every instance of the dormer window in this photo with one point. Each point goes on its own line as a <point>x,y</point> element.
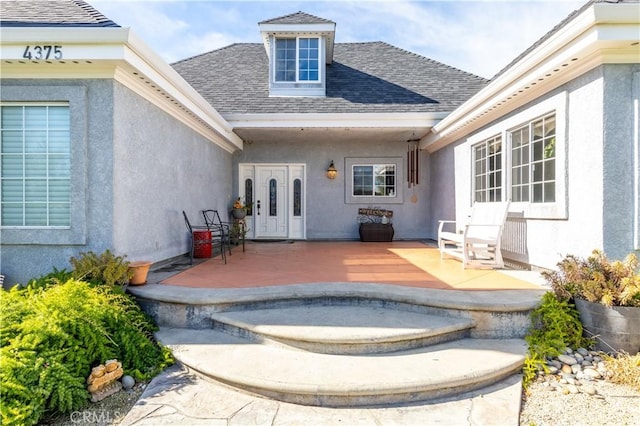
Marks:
<point>299,46</point>
<point>297,59</point>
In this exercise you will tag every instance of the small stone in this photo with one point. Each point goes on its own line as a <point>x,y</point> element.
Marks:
<point>588,358</point>
<point>568,351</point>
<point>579,375</point>
<point>571,381</point>
<point>591,374</point>
<point>563,381</point>
<point>578,357</point>
<point>573,389</point>
<point>575,368</point>
<point>566,359</point>
<point>597,360</point>
<point>128,382</point>
<point>589,390</point>
<point>552,369</point>
<point>583,351</point>
<point>566,369</point>
<point>586,363</point>
<point>565,391</point>
<point>557,364</point>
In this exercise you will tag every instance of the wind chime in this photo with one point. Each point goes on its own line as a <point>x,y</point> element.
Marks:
<point>413,151</point>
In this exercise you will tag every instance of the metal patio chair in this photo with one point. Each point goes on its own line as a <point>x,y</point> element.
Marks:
<point>212,219</point>
<point>204,240</point>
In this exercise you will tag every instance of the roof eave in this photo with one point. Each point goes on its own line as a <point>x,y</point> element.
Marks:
<point>117,53</point>
<point>603,33</point>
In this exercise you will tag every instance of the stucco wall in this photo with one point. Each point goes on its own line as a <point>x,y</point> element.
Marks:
<point>134,169</point>
<point>601,175</point>
<point>621,159</point>
<point>162,167</point>
<point>328,215</point>
<point>26,253</point>
<point>599,171</point>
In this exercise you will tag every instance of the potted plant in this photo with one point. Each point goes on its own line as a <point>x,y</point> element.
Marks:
<point>139,269</point>
<point>374,224</point>
<point>607,296</point>
<point>239,210</point>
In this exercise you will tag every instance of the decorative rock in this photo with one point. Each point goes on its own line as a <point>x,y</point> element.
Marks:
<point>571,381</point>
<point>586,363</point>
<point>568,351</point>
<point>106,391</point>
<point>583,351</point>
<point>566,369</point>
<point>566,359</point>
<point>579,375</point>
<point>565,391</point>
<point>557,364</point>
<point>552,369</point>
<point>573,389</point>
<point>128,382</point>
<point>575,368</point>
<point>578,357</point>
<point>588,358</point>
<point>589,390</point>
<point>591,374</point>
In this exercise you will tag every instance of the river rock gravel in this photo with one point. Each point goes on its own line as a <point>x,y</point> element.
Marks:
<point>576,392</point>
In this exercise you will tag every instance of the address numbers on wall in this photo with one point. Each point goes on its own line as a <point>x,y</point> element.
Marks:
<point>42,52</point>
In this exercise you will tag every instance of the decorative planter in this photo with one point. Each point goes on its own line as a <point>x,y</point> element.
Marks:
<point>376,232</point>
<point>615,328</point>
<point>140,271</point>
<point>238,213</point>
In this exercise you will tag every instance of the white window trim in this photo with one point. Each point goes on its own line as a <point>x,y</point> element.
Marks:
<point>473,165</point>
<point>557,104</point>
<point>399,164</point>
<point>297,80</point>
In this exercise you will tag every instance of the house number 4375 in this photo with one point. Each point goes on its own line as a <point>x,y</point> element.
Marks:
<point>42,52</point>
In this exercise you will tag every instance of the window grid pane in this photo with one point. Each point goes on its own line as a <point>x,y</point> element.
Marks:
<point>285,59</point>
<point>487,170</point>
<point>35,165</point>
<point>533,161</point>
<point>377,180</point>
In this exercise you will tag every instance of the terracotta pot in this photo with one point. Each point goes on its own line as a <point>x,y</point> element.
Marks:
<point>615,328</point>
<point>140,271</point>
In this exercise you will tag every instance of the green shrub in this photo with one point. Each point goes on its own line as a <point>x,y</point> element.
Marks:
<point>555,326</point>
<point>52,335</point>
<point>105,268</point>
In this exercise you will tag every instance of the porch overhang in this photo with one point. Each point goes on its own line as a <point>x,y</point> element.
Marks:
<point>372,127</point>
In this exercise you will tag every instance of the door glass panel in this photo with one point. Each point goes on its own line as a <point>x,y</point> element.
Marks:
<point>248,196</point>
<point>273,197</point>
<point>297,197</point>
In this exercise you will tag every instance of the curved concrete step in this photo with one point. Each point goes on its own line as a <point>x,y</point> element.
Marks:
<point>343,329</point>
<point>307,378</point>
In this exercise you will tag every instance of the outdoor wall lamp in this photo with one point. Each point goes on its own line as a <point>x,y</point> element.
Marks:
<point>332,172</point>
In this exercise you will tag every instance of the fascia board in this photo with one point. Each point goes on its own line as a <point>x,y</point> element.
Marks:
<point>581,38</point>
<point>335,120</point>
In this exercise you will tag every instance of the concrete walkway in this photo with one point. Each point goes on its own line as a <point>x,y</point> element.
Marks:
<point>180,396</point>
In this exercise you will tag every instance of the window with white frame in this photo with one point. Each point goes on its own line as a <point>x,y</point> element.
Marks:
<point>35,165</point>
<point>297,59</point>
<point>377,180</point>
<point>487,170</point>
<point>533,161</point>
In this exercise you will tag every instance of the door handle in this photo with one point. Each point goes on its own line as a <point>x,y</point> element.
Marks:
<point>258,206</point>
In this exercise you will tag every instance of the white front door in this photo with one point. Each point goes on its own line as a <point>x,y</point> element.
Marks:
<point>277,194</point>
<point>270,205</point>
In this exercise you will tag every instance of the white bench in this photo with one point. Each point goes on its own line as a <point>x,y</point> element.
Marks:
<point>478,243</point>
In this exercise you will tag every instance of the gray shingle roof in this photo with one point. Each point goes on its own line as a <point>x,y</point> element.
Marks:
<point>51,13</point>
<point>363,78</point>
<point>298,18</point>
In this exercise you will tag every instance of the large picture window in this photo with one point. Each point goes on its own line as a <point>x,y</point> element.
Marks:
<point>35,164</point>
<point>297,59</point>
<point>374,180</point>
<point>487,170</point>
